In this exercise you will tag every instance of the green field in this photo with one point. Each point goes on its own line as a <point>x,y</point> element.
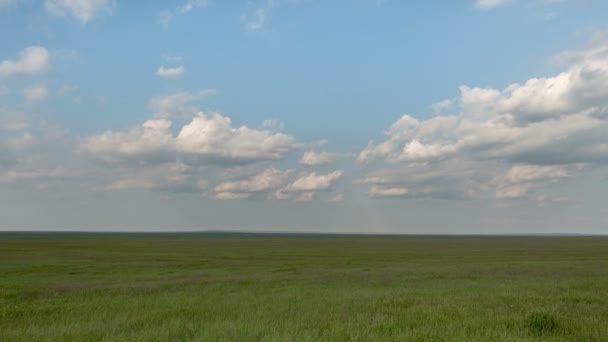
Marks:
<point>304,288</point>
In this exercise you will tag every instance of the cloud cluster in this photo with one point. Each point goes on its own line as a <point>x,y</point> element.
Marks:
<point>275,184</point>
<point>534,130</point>
<point>206,140</point>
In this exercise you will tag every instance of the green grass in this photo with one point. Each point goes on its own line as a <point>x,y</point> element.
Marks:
<point>194,287</point>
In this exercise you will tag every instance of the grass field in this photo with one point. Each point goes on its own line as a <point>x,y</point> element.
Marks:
<point>279,288</point>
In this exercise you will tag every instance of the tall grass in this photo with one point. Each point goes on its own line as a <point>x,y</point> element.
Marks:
<point>306,289</point>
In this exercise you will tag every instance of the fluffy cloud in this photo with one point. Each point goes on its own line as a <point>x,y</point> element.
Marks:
<point>32,60</point>
<point>82,10</point>
<point>536,129</point>
<point>212,138</point>
<point>528,173</point>
<point>207,139</point>
<point>265,181</point>
<point>170,73</point>
<point>384,191</point>
<point>179,105</point>
<point>35,94</point>
<point>152,141</point>
<point>312,158</point>
<point>314,182</point>
<point>441,106</point>
<point>231,195</point>
<point>521,179</point>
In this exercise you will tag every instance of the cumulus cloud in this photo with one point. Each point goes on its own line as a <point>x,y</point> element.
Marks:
<point>31,60</point>
<point>313,182</point>
<point>207,139</point>
<point>262,182</point>
<point>312,158</point>
<point>83,10</point>
<point>170,73</point>
<point>536,128</point>
<point>441,106</point>
<point>152,141</point>
<point>179,105</point>
<point>521,179</point>
<point>528,173</point>
<point>35,94</point>
<point>212,138</point>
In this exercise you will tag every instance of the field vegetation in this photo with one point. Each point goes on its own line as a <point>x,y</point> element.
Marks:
<point>108,287</point>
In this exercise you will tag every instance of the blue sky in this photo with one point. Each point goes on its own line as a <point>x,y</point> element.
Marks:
<point>483,116</point>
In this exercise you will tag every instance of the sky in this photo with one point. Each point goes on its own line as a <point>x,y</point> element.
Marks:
<point>347,116</point>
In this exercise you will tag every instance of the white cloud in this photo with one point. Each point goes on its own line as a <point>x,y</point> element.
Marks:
<point>538,130</point>
<point>552,120</point>
<point>152,141</point>
<point>35,94</point>
<point>441,106</point>
<point>384,191</point>
<point>170,73</point>
<point>513,191</point>
<point>528,173</point>
<point>231,196</point>
<point>262,182</point>
<point>83,10</point>
<point>179,105</point>
<point>32,60</point>
<point>491,4</point>
<point>521,179</point>
<point>312,158</point>
<point>207,139</point>
<point>313,182</point>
